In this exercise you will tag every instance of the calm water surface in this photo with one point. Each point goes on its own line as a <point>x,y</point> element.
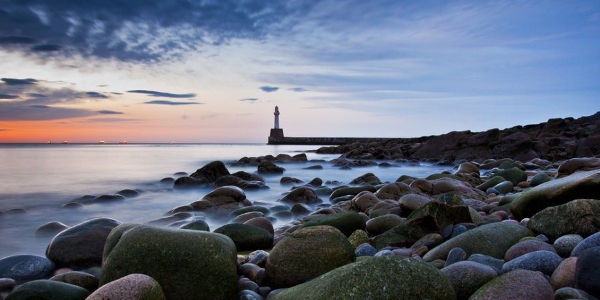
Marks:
<point>41,178</point>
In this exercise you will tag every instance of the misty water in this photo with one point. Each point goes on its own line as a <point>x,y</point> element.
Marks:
<point>41,178</point>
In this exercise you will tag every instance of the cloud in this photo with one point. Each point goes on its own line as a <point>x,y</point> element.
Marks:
<point>298,89</point>
<point>15,81</point>
<point>249,99</point>
<point>96,95</point>
<point>269,89</point>
<point>110,112</point>
<point>138,30</point>
<point>6,96</point>
<point>3,129</point>
<point>109,120</point>
<point>17,111</point>
<point>163,94</point>
<point>167,102</point>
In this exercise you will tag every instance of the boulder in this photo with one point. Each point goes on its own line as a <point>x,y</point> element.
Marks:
<point>402,235</point>
<point>227,198</point>
<point>188,264</point>
<point>131,287</point>
<point>525,247</point>
<point>211,172</point>
<point>366,179</point>
<point>490,239</point>
<point>261,222</point>
<point>48,290</point>
<point>23,268</point>
<point>364,200</point>
<point>289,180</point>
<point>514,175</point>
<point>468,276</point>
<point>539,178</point>
<point>81,245</point>
<point>301,195</point>
<point>196,225</point>
<point>589,242</point>
<point>517,284</point>
<point>413,201</point>
<point>247,237</point>
<point>267,167</point>
<point>354,190</point>
<point>241,183</point>
<point>580,216</point>
<point>578,164</point>
<point>187,182</point>
<point>375,278</point>
<point>543,261</point>
<point>81,279</point>
<point>468,168</point>
<point>383,223</point>
<point>581,185</point>
<point>346,222</point>
<point>566,243</point>
<point>564,275</point>
<point>587,271</point>
<point>393,191</point>
<point>307,253</point>
<point>434,216</point>
<point>50,229</point>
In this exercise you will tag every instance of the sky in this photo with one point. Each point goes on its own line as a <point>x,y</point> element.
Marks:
<point>212,71</point>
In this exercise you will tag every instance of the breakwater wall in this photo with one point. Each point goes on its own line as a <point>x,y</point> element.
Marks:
<point>277,138</point>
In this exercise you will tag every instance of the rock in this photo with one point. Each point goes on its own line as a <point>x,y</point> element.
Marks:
<point>72,205</point>
<point>301,195</point>
<point>455,186</point>
<point>393,191</point>
<point>107,198</point>
<point>366,179</point>
<point>363,201</point>
<point>566,243</point>
<point>358,237</point>
<point>491,182</point>
<point>468,168</point>
<point>211,171</point>
<point>352,191</point>
<point>402,235</point>
<point>132,286</point>
<point>187,182</point>
<point>81,279</point>
<point>200,225</point>
<point>50,228</point>
<point>314,167</point>
<point>188,264</point>
<point>413,201</point>
<point>322,190</point>
<point>167,180</point>
<point>589,242</point>
<point>517,284</point>
<point>580,216</point>
<point>501,188</point>
<point>289,180</point>
<point>346,222</point>
<point>23,268</point>
<point>525,247</point>
<point>455,255</point>
<point>241,183</point>
<point>578,164</point>
<point>261,222</point>
<point>468,276</point>
<point>81,245</point>
<point>249,295</point>
<point>587,271</point>
<point>571,293</point>
<point>299,210</point>
<point>435,216</point>
<point>128,193</point>
<point>307,253</point>
<point>247,216</point>
<point>227,198</point>
<point>48,290</point>
<point>176,217</point>
<point>246,209</point>
<point>543,261</point>
<point>564,275</point>
<point>381,224</point>
<point>490,239</point>
<point>375,278</point>
<point>316,182</point>
<point>267,167</point>
<point>539,178</point>
<point>487,260</point>
<point>514,175</point>
<point>7,284</point>
<point>580,185</point>
<point>247,237</point>
<point>365,250</point>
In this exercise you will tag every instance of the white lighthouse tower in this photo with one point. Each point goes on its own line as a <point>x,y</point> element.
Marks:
<point>276,113</point>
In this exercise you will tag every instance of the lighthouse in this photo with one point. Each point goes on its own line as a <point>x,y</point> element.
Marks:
<point>276,113</point>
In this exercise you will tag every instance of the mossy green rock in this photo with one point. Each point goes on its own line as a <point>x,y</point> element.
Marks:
<point>581,185</point>
<point>358,237</point>
<point>346,222</point>
<point>48,290</point>
<point>247,237</point>
<point>517,284</point>
<point>200,225</point>
<point>514,175</point>
<point>188,264</point>
<point>580,216</point>
<point>539,178</point>
<point>434,216</point>
<point>381,224</point>
<point>402,235</point>
<point>490,239</point>
<point>307,253</point>
<point>353,190</point>
<point>375,278</point>
<point>81,279</point>
<point>490,183</point>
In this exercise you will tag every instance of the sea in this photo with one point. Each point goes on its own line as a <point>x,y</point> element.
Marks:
<point>40,178</point>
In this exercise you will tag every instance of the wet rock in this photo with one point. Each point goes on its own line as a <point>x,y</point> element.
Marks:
<point>381,224</point>
<point>375,278</point>
<point>351,191</point>
<point>132,286</point>
<point>365,250</point>
<point>366,179</point>
<point>301,195</point>
<point>402,235</point>
<point>81,279</point>
<point>539,178</point>
<point>491,182</point>
<point>241,183</point>
<point>167,180</point>
<point>543,261</point>
<point>393,191</point>
<point>468,276</point>
<point>435,216</point>
<point>227,198</point>
<point>455,255</point>
<point>300,256</point>
<point>578,164</point>
<point>358,237</point>
<point>564,275</point>
<point>413,201</point>
<point>316,182</point>
<point>517,284</point>
<point>200,225</point>
<point>468,168</point>
<point>247,216</point>
<point>299,210</point>
<point>23,268</point>
<point>571,293</point>
<point>514,175</point>
<point>246,209</point>
<point>589,242</point>
<point>72,205</point>
<point>179,216</point>
<point>314,167</point>
<point>490,239</point>
<point>81,245</point>
<point>187,182</point>
<point>261,222</point>
<point>580,216</point>
<point>566,243</point>
<point>211,171</point>
<point>128,193</point>
<point>587,271</point>
<point>346,222</point>
<point>501,188</point>
<point>364,200</point>
<point>581,185</point>
<point>172,257</point>
<point>48,290</point>
<point>487,260</point>
<point>247,237</point>
<point>107,198</point>
<point>525,247</point>
<point>289,180</point>
<point>267,167</point>
<point>50,228</point>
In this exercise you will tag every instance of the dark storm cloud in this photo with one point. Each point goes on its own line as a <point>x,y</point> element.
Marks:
<point>162,94</point>
<point>249,99</point>
<point>15,81</point>
<point>110,112</point>
<point>6,96</point>
<point>269,89</point>
<point>137,30</point>
<point>167,102</point>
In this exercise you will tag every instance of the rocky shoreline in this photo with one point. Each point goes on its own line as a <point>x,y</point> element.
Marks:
<point>491,229</point>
